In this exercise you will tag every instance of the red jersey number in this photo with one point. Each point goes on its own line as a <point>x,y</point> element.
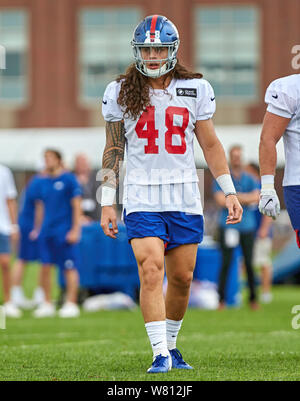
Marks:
<point>148,119</point>
<point>175,129</point>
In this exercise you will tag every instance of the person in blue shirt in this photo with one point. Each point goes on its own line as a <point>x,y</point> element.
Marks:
<point>263,243</point>
<point>28,243</point>
<point>60,194</point>
<point>243,233</point>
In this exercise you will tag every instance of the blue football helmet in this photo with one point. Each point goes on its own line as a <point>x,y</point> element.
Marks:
<point>155,31</point>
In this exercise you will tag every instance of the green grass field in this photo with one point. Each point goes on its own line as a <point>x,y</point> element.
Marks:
<point>236,344</point>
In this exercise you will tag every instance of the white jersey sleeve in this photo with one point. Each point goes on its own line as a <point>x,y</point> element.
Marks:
<point>281,98</point>
<point>111,110</point>
<point>10,187</point>
<point>206,103</point>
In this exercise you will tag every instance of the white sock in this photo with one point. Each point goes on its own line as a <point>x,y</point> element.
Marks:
<point>158,338</point>
<point>39,295</point>
<point>173,327</point>
<point>17,293</point>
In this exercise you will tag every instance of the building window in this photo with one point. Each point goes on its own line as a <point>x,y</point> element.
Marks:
<point>14,49</point>
<point>105,49</point>
<point>228,50</point>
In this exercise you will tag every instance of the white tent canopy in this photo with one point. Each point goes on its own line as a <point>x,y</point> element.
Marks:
<point>22,149</point>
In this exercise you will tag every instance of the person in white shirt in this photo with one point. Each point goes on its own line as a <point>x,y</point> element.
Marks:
<point>154,110</point>
<point>8,233</point>
<point>282,119</point>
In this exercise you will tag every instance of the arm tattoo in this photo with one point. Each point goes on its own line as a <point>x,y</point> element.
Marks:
<point>114,148</point>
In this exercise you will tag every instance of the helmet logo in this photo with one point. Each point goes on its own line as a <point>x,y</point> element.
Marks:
<point>152,37</point>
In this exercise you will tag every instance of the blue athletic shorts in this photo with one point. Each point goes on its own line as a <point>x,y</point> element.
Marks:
<point>28,249</point>
<point>174,228</point>
<point>54,250</point>
<point>5,244</point>
<point>292,202</point>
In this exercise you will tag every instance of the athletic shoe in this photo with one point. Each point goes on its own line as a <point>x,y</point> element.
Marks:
<point>46,309</point>
<point>222,305</point>
<point>18,298</point>
<point>69,309</point>
<point>254,305</point>
<point>24,303</point>
<point>177,360</point>
<point>266,297</point>
<point>11,310</point>
<point>161,364</point>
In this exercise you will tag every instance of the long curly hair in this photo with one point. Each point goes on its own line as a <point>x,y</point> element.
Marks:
<point>134,94</point>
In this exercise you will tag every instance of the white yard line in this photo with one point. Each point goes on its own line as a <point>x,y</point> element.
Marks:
<point>38,335</point>
<point>23,346</point>
<point>226,334</point>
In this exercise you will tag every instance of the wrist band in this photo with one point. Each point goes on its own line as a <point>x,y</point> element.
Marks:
<point>226,184</point>
<point>108,196</point>
<point>267,182</point>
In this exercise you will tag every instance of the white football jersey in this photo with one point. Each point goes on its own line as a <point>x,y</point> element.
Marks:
<point>283,99</point>
<point>7,191</point>
<point>159,145</point>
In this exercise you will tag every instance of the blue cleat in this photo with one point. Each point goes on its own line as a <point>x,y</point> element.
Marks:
<point>161,364</point>
<point>177,360</point>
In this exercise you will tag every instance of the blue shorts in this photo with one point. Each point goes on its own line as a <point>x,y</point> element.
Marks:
<point>174,228</point>
<point>28,249</point>
<point>292,202</point>
<point>54,250</point>
<point>5,247</point>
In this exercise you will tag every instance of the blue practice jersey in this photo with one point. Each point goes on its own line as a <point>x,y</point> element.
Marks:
<point>27,205</point>
<point>57,194</point>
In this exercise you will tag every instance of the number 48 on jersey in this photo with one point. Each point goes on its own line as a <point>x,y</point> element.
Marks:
<point>148,119</point>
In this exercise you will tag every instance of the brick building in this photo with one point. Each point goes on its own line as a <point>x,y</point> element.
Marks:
<point>60,54</point>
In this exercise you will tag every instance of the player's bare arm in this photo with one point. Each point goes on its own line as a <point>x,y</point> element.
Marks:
<point>248,198</point>
<point>113,154</point>
<point>38,220</point>
<point>12,209</point>
<point>73,235</point>
<point>274,127</point>
<point>216,160</point>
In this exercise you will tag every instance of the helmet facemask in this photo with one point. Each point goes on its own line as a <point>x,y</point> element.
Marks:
<point>165,65</point>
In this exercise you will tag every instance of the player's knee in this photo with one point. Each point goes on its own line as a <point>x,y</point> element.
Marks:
<point>183,279</point>
<point>151,272</point>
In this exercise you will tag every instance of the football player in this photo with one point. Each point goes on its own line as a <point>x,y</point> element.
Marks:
<point>154,110</point>
<point>282,118</point>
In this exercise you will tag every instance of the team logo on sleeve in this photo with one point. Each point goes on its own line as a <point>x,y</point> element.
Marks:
<point>188,92</point>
